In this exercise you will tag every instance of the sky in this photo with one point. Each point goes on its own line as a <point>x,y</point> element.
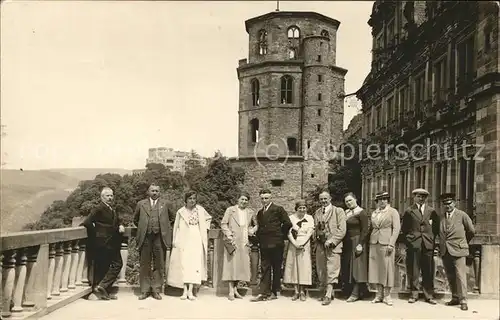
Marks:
<point>94,84</point>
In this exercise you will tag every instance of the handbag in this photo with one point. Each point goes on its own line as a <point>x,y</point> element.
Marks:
<point>228,244</point>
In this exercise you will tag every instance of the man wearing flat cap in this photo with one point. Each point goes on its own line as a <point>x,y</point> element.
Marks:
<point>419,227</point>
<point>455,232</point>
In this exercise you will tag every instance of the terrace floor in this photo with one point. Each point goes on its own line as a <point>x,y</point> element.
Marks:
<point>210,306</point>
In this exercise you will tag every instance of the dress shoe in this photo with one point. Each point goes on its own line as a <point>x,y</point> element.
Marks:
<point>259,298</point>
<point>143,296</point>
<point>412,300</point>
<point>238,296</point>
<point>230,297</point>
<point>302,296</point>
<point>431,301</point>
<point>352,299</point>
<point>388,300</point>
<point>112,297</point>
<point>101,293</point>
<point>156,296</point>
<point>463,307</point>
<point>295,296</point>
<point>452,302</point>
<point>273,296</point>
<point>326,301</point>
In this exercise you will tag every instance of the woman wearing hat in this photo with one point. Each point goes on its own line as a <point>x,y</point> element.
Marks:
<point>355,252</point>
<point>298,265</point>
<point>385,230</point>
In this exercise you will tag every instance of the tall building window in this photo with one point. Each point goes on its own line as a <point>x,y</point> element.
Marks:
<point>293,33</point>
<point>319,112</point>
<point>292,146</point>
<point>292,53</point>
<point>262,43</point>
<point>286,89</point>
<point>255,92</point>
<point>320,78</point>
<point>320,97</point>
<point>254,130</point>
<point>318,128</point>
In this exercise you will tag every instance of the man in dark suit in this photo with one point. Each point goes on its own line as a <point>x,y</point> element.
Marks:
<point>419,227</point>
<point>455,232</point>
<point>154,236</point>
<point>105,237</point>
<point>273,224</point>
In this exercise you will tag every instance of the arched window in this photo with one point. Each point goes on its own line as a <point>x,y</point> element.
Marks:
<point>286,89</point>
<point>292,53</point>
<point>293,32</point>
<point>325,33</point>
<point>292,145</point>
<point>255,92</point>
<point>254,130</point>
<point>262,43</point>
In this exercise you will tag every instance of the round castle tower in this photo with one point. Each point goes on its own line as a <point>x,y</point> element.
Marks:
<point>290,104</point>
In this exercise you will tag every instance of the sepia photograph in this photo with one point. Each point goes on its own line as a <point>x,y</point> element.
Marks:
<point>249,159</point>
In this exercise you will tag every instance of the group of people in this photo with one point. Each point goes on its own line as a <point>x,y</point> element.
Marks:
<point>352,247</point>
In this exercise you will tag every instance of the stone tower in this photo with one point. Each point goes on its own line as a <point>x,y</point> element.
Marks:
<point>290,104</point>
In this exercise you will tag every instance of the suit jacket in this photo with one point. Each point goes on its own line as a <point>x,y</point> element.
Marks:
<point>334,221</point>
<point>420,230</point>
<point>142,215</point>
<point>273,226</point>
<point>455,233</point>
<point>385,226</point>
<point>102,226</point>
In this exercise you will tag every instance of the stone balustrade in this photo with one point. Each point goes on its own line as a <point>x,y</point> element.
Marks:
<point>45,270</point>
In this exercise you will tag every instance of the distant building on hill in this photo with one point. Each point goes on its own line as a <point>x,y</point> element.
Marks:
<point>172,159</point>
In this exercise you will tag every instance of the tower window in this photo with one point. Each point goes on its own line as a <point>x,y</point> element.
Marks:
<point>255,92</point>
<point>254,130</point>
<point>262,43</point>
<point>292,53</point>
<point>312,175</point>
<point>286,89</point>
<point>325,33</point>
<point>308,144</point>
<point>292,145</point>
<point>319,58</point>
<point>318,127</point>
<point>320,97</point>
<point>320,78</point>
<point>277,182</point>
<point>293,33</point>
<point>319,112</point>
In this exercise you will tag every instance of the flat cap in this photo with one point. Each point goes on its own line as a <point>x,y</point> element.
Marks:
<point>420,191</point>
<point>447,197</point>
<point>382,195</point>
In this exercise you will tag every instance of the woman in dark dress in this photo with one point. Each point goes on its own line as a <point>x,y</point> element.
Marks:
<point>354,253</point>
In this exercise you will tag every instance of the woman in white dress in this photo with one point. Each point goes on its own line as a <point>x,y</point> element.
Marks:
<point>298,265</point>
<point>188,260</point>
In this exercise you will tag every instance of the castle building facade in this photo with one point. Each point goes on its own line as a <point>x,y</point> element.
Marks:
<point>290,104</point>
<point>433,91</point>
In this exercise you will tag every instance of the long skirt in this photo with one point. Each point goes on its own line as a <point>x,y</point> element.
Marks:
<point>298,265</point>
<point>354,267</point>
<point>236,266</point>
<point>381,266</point>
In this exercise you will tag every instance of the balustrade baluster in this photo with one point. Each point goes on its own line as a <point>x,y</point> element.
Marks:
<point>124,254</point>
<point>66,266</point>
<point>19,282</point>
<point>477,268</point>
<point>81,263</point>
<point>74,265</point>
<point>52,266</point>
<point>211,257</point>
<point>254,265</point>
<point>9,275</point>
<point>85,273</point>
<point>32,254</point>
<point>56,286</point>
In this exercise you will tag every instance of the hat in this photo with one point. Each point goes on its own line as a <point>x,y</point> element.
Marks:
<point>447,198</point>
<point>382,195</point>
<point>300,203</point>
<point>421,191</point>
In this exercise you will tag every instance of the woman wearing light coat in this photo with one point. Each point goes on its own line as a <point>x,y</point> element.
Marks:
<point>239,222</point>
<point>188,260</point>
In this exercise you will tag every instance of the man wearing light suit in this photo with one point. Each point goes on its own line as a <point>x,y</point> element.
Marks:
<point>153,218</point>
<point>420,226</point>
<point>455,231</point>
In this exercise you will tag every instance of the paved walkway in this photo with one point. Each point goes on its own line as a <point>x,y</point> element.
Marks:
<point>208,306</point>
